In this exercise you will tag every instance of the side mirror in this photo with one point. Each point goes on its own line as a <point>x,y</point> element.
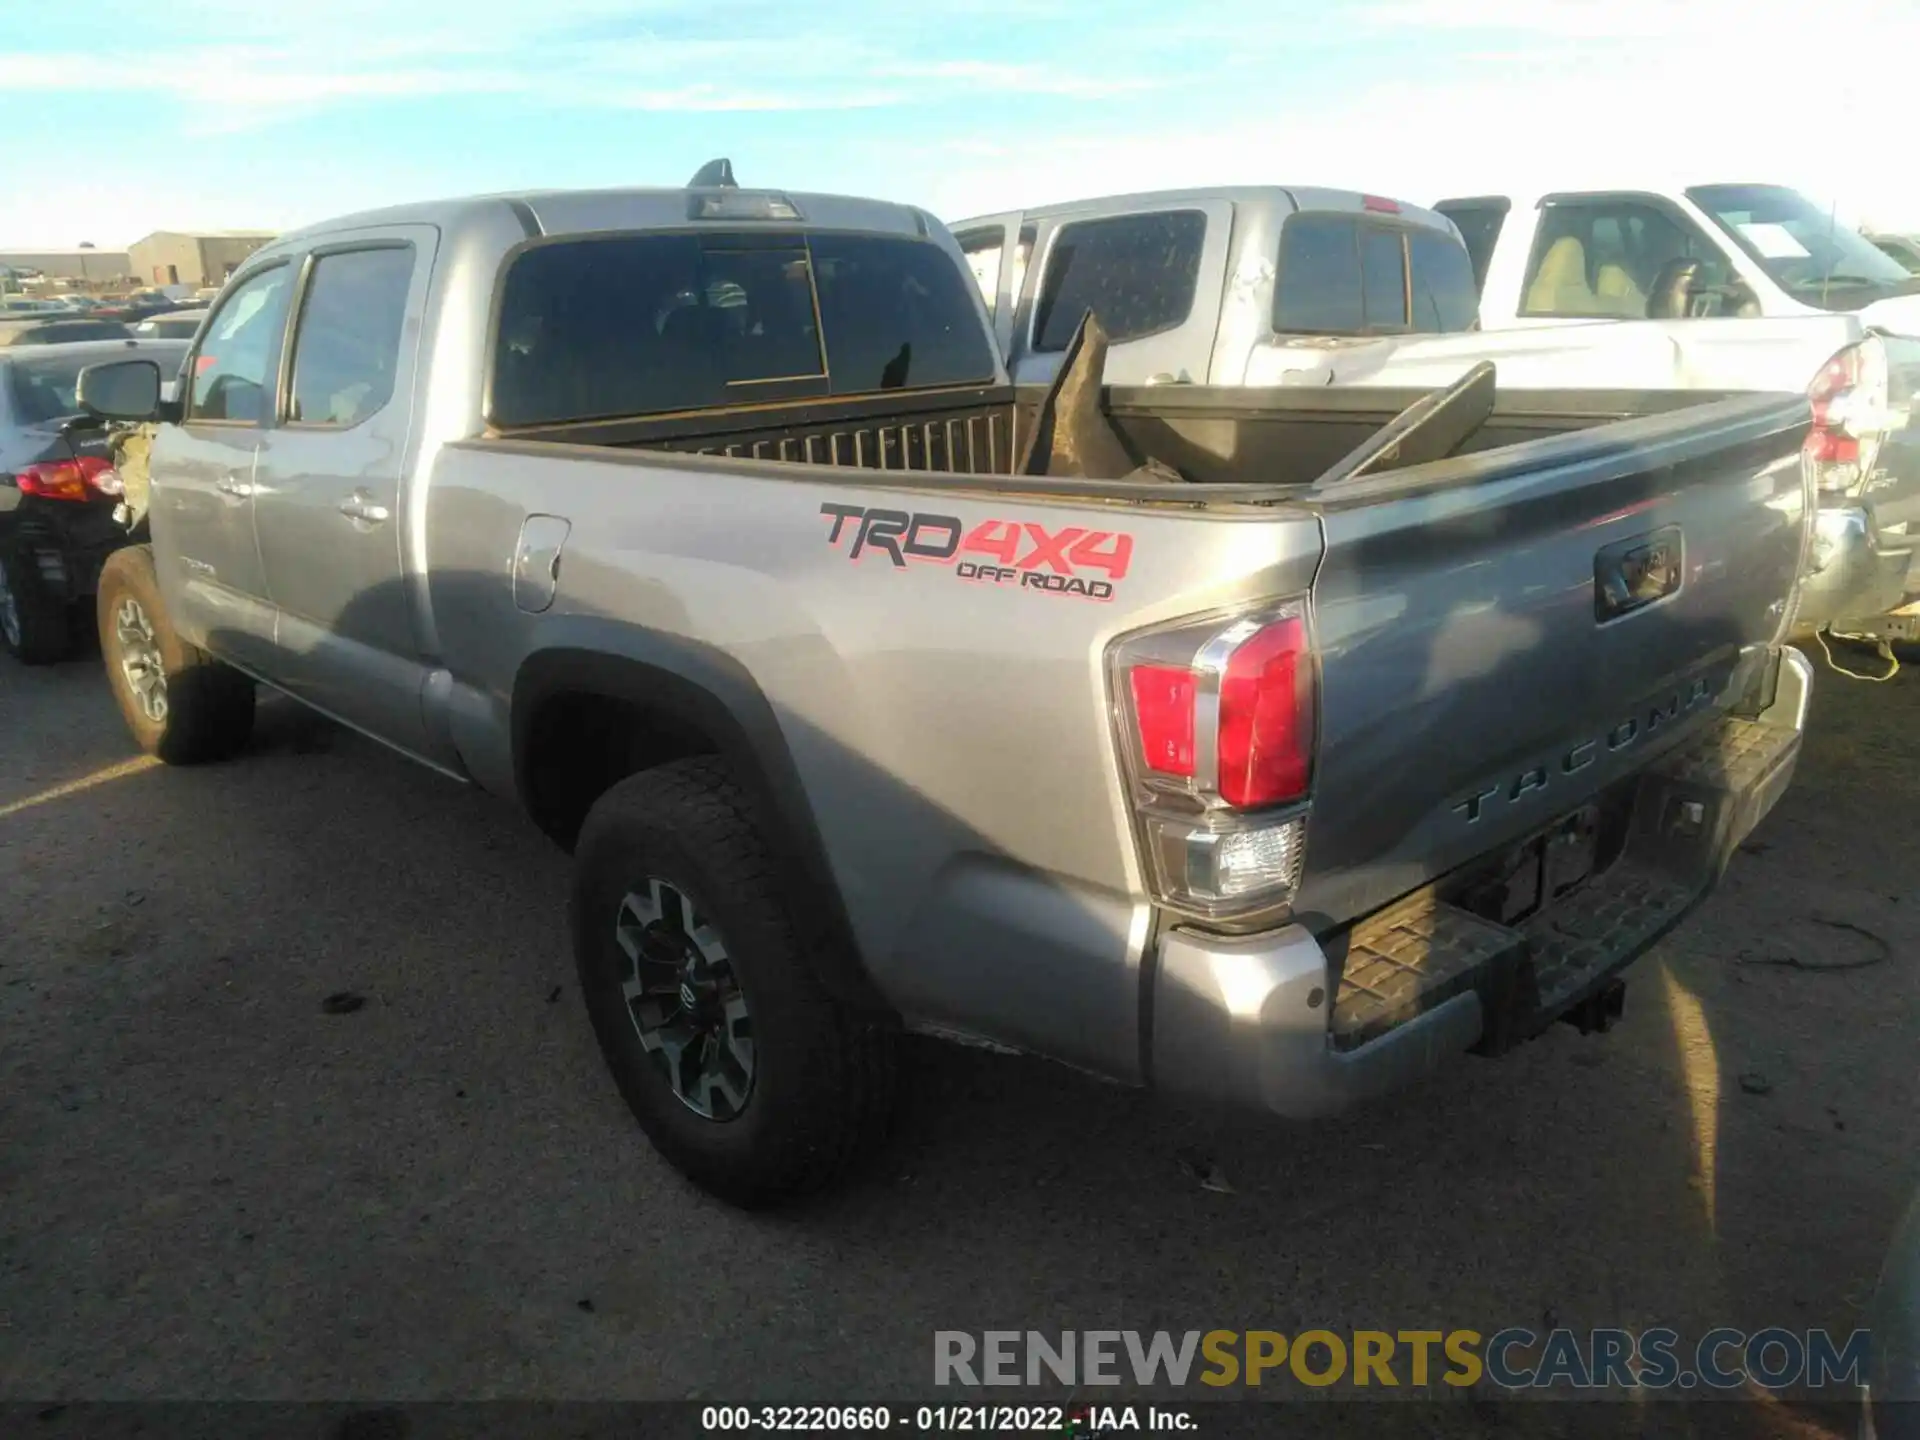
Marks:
<point>121,390</point>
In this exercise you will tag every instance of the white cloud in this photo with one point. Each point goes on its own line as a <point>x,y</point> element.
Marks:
<point>1491,95</point>
<point>1769,23</point>
<point>1716,96</point>
<point>273,62</point>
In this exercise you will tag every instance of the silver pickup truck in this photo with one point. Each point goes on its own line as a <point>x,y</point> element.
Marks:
<point>1273,748</point>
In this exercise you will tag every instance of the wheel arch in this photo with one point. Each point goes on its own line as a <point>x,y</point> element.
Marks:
<point>584,719</point>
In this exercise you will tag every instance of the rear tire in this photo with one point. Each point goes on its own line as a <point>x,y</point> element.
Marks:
<point>33,624</point>
<point>674,892</point>
<point>181,704</point>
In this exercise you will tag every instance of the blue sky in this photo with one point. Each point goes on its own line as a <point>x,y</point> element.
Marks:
<point>127,117</point>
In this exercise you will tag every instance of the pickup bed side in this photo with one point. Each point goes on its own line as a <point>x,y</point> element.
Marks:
<point>948,736</point>
<point>947,732</point>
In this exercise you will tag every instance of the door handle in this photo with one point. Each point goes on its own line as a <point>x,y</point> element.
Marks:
<point>360,506</point>
<point>232,485</point>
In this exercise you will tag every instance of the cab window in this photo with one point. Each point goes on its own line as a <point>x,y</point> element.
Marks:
<point>1613,258</point>
<point>1138,273</point>
<point>601,327</point>
<point>234,369</point>
<point>983,249</point>
<point>1350,275</point>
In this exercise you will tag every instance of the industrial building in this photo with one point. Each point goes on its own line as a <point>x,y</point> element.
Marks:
<point>208,257</point>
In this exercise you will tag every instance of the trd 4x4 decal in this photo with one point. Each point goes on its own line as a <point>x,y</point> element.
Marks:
<point>995,552</point>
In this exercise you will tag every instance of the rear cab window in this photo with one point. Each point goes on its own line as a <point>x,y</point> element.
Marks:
<point>1345,274</point>
<point>1138,273</point>
<point>614,326</point>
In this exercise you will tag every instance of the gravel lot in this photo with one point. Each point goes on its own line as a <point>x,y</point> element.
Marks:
<point>212,1188</point>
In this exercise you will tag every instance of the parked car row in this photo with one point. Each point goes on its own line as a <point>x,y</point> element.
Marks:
<point>58,492</point>
<point>137,305</point>
<point>1713,288</point>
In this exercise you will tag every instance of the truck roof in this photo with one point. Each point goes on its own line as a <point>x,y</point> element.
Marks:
<point>1289,197</point>
<point>1604,183</point>
<point>566,212</point>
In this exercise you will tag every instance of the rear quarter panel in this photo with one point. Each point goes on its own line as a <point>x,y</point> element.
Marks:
<point>951,734</point>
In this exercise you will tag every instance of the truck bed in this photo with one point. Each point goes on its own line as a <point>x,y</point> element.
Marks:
<point>968,431</point>
<point>1282,438</point>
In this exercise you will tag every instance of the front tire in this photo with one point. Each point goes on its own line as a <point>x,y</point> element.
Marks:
<point>33,624</point>
<point>181,704</point>
<point>744,1072</point>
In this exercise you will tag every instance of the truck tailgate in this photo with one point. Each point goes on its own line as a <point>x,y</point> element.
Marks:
<point>1503,635</point>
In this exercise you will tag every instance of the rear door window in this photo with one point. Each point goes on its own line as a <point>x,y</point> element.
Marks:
<point>604,327</point>
<point>1138,273</point>
<point>347,347</point>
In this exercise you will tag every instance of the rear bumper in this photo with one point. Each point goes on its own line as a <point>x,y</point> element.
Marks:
<point>64,544</point>
<point>1305,1028</point>
<point>1857,570</point>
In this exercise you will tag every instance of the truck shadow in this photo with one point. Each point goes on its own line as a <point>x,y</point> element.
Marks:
<point>1503,1194</point>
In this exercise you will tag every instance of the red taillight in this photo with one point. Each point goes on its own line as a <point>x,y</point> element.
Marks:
<point>1265,745</point>
<point>1163,697</point>
<point>1258,674</point>
<point>1217,729</point>
<point>1825,447</point>
<point>1379,204</point>
<point>80,479</point>
<point>1848,398</point>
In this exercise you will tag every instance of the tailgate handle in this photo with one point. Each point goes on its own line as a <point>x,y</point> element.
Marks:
<point>1629,575</point>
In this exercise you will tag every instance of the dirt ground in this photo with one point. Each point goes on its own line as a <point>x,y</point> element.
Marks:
<point>213,1188</point>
